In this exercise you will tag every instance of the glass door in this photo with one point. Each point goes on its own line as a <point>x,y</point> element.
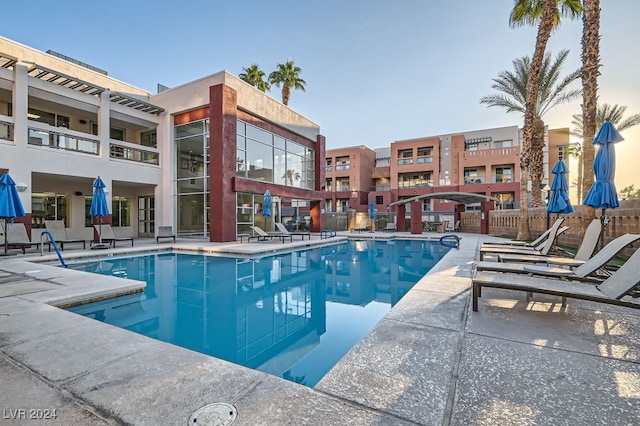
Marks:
<point>146,216</point>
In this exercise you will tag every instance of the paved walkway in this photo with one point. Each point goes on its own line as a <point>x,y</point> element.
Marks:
<point>430,361</point>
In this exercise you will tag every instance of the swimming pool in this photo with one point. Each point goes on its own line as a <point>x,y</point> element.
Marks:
<point>292,314</point>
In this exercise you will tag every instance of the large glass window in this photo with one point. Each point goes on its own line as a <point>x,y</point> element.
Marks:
<point>264,156</point>
<point>192,147</point>
<point>120,211</point>
<point>48,207</point>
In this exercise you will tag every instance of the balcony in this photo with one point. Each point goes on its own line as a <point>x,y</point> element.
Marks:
<point>381,172</point>
<point>475,180</point>
<point>63,140</point>
<point>132,152</point>
<point>416,184</point>
<point>380,188</point>
<point>340,167</point>
<point>512,151</point>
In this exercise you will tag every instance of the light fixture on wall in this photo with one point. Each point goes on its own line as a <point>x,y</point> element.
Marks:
<point>21,187</point>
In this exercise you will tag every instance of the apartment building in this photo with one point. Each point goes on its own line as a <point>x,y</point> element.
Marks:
<point>198,157</point>
<point>484,162</point>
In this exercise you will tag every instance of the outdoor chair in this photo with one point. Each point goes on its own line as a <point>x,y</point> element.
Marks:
<point>59,233</point>
<point>362,226</point>
<point>531,244</point>
<point>611,291</point>
<point>584,253</point>
<point>165,232</point>
<point>454,228</point>
<point>391,227</point>
<point>106,234</point>
<point>542,249</point>
<point>17,237</point>
<point>261,235</point>
<point>590,270</point>
<point>284,231</point>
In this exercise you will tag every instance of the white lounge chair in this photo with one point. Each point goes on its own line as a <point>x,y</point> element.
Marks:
<point>17,237</point>
<point>391,227</point>
<point>531,244</point>
<point>585,271</point>
<point>165,232</point>
<point>261,235</point>
<point>284,231</point>
<point>106,234</point>
<point>544,249</point>
<point>59,233</point>
<point>611,291</point>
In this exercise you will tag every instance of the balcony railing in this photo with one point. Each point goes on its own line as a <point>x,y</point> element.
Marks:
<point>425,159</point>
<point>342,167</point>
<point>58,140</point>
<point>328,168</point>
<point>416,184</point>
<point>132,152</point>
<point>381,172</point>
<point>380,188</point>
<point>479,179</point>
<point>493,152</point>
<point>405,161</point>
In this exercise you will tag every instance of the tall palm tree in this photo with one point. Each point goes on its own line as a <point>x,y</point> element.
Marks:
<point>552,90</point>
<point>288,75</point>
<point>604,112</point>
<point>255,77</point>
<point>546,14</point>
<point>590,72</point>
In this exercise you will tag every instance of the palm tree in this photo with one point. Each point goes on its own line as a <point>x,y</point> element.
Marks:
<point>590,72</point>
<point>604,112</point>
<point>546,13</point>
<point>552,90</point>
<point>255,77</point>
<point>288,75</point>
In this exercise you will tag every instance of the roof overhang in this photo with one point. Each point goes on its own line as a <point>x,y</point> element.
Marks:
<point>460,197</point>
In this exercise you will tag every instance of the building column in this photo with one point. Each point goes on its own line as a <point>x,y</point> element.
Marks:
<point>416,217</point>
<point>223,104</point>
<point>104,124</point>
<point>400,222</point>
<point>20,99</point>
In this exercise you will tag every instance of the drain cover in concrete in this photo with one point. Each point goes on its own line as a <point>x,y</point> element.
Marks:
<point>217,414</point>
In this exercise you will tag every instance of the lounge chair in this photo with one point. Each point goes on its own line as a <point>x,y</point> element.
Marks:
<point>362,226</point>
<point>391,227</point>
<point>611,291</point>
<point>59,233</point>
<point>454,228</point>
<point>531,244</point>
<point>284,231</point>
<point>261,235</point>
<point>543,249</point>
<point>586,271</point>
<point>584,253</point>
<point>17,237</point>
<point>108,236</point>
<point>165,232</point>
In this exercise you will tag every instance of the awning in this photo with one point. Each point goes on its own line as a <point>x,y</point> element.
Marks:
<point>460,197</point>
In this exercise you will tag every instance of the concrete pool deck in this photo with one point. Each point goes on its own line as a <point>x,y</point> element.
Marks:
<point>430,361</point>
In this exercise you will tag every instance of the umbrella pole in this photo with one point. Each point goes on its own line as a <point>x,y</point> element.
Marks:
<point>6,237</point>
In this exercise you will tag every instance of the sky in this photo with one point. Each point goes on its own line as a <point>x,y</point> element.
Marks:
<point>376,71</point>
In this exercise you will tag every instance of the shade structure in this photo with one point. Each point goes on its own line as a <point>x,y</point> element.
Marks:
<point>10,204</point>
<point>266,211</point>
<point>559,201</point>
<point>99,204</point>
<point>603,194</point>
<point>372,210</point>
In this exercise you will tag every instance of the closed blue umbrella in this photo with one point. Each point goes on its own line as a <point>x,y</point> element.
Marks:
<point>10,204</point>
<point>603,194</point>
<point>266,211</point>
<point>99,205</point>
<point>372,210</point>
<point>559,201</point>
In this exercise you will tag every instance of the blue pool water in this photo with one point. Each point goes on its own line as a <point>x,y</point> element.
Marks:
<point>291,314</point>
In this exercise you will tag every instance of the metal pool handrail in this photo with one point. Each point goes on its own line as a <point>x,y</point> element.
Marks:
<point>55,246</point>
